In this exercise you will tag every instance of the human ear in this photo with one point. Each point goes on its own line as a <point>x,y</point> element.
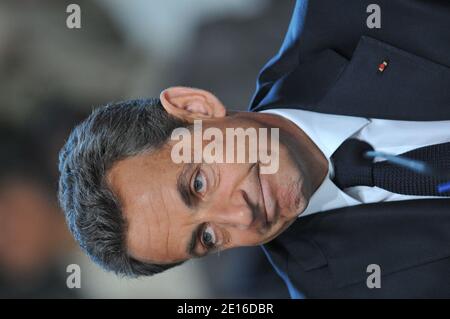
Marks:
<point>191,104</point>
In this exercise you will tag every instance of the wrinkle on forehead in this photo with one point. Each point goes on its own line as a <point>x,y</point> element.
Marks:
<point>167,215</point>
<point>145,185</point>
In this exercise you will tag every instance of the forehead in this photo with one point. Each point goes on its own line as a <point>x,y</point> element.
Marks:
<point>132,177</point>
<point>146,187</point>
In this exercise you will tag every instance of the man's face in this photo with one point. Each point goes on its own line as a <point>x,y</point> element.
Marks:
<point>178,211</point>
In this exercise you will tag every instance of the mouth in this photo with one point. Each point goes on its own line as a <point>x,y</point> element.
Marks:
<point>268,201</point>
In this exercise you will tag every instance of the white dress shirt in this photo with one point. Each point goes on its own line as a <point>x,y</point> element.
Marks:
<point>329,131</point>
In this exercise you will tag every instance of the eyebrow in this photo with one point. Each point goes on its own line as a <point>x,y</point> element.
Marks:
<point>183,187</point>
<point>190,248</point>
<point>183,184</point>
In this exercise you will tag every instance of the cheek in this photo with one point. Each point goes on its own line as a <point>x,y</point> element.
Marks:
<point>288,161</point>
<point>230,173</point>
<point>289,169</point>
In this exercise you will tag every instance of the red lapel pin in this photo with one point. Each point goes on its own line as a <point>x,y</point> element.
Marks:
<point>382,66</point>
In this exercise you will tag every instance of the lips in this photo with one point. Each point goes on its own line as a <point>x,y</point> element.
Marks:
<point>269,202</point>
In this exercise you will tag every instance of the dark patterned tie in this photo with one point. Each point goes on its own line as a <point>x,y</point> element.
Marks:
<point>353,168</point>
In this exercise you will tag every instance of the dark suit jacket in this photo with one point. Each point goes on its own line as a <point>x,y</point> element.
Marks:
<point>328,63</point>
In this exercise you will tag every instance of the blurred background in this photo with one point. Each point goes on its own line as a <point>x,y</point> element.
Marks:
<point>50,79</point>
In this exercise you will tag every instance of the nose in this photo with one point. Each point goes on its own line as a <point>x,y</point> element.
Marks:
<point>235,212</point>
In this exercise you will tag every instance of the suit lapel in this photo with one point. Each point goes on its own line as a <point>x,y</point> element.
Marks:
<point>303,86</point>
<point>393,235</point>
<point>410,88</point>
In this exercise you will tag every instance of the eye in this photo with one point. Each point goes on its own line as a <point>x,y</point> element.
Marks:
<point>199,183</point>
<point>208,237</point>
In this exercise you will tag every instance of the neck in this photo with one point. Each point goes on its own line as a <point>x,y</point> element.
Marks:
<point>315,163</point>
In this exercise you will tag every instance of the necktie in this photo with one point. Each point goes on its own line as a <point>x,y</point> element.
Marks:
<point>353,168</point>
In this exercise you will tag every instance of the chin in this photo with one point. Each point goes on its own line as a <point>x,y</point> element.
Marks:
<point>291,202</point>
